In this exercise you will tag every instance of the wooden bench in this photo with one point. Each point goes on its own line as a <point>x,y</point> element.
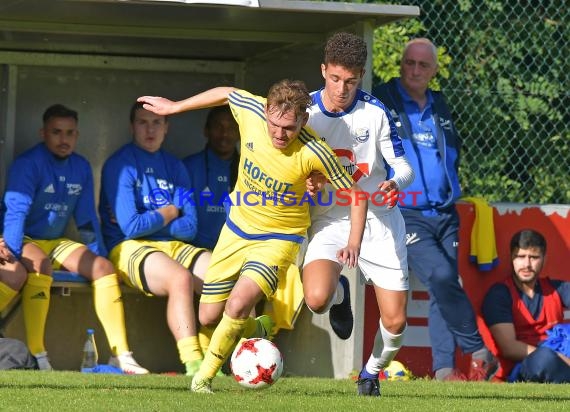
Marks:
<point>63,283</point>
<point>72,312</point>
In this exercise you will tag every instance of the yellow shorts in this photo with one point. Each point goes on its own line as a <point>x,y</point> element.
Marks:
<point>58,250</point>
<point>264,261</point>
<point>285,305</point>
<point>128,258</point>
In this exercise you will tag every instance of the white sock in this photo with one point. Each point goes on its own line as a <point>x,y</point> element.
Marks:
<point>386,346</point>
<point>339,295</point>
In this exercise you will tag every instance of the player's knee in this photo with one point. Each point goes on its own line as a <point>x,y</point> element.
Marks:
<point>317,300</point>
<point>444,276</point>
<point>538,365</point>
<point>209,318</point>
<point>102,267</point>
<point>20,277</point>
<point>37,265</point>
<point>394,324</point>
<point>15,275</point>
<point>238,308</point>
<point>179,281</point>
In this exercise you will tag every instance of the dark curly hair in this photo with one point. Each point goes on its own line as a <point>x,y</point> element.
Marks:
<point>346,50</point>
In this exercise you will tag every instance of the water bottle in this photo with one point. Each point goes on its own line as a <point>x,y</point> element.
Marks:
<point>90,356</point>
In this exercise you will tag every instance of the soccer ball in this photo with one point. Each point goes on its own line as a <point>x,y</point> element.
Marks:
<point>396,371</point>
<point>256,363</point>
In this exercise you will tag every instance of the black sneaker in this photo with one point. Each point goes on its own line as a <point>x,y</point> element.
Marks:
<point>341,315</point>
<point>368,386</point>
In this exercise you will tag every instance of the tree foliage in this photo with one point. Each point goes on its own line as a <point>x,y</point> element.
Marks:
<point>505,71</point>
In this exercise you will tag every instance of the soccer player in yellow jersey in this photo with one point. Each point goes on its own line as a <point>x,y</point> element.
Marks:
<point>269,215</point>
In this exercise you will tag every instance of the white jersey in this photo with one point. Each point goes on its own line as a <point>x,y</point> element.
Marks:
<point>364,139</point>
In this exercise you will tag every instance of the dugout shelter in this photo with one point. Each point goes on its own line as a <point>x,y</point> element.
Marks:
<point>97,56</point>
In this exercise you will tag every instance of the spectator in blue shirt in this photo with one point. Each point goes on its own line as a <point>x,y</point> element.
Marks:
<point>432,145</point>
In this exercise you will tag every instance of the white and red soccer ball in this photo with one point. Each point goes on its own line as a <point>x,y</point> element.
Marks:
<point>256,363</point>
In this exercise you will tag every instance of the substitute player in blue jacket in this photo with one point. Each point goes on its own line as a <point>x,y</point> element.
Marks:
<point>47,186</point>
<point>148,217</point>
<point>213,173</point>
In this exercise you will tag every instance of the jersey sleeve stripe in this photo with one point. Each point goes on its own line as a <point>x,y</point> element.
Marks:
<point>247,103</point>
<point>331,165</point>
<point>394,137</point>
<point>397,145</point>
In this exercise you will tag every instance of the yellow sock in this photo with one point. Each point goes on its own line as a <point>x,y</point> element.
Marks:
<point>225,338</point>
<point>35,305</point>
<point>6,295</point>
<point>109,308</point>
<point>204,337</point>
<point>189,349</point>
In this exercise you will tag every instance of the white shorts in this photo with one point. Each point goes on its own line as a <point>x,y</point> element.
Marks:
<point>383,257</point>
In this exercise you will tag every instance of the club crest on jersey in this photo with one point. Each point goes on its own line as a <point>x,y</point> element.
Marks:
<point>249,145</point>
<point>361,134</point>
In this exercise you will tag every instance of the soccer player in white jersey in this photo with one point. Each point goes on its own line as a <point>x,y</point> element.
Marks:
<point>362,134</point>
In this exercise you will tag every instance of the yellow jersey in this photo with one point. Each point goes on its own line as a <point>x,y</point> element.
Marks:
<point>270,198</point>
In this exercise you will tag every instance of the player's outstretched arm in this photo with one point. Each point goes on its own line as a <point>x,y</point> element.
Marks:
<point>217,96</point>
<point>358,209</point>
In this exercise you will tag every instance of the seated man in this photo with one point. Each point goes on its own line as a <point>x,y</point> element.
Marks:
<point>48,185</point>
<point>213,172</point>
<point>521,310</point>
<point>147,221</point>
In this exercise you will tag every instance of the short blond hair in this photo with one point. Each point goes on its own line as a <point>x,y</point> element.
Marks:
<point>289,96</point>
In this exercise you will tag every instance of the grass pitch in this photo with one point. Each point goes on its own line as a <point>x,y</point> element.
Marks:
<point>74,391</point>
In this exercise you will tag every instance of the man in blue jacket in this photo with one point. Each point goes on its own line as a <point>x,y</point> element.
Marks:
<point>432,146</point>
<point>47,186</point>
<point>148,219</point>
<point>213,173</point>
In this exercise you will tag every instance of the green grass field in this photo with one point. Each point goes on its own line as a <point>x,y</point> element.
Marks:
<point>67,391</point>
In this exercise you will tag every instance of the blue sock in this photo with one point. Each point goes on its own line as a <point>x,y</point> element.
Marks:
<point>364,374</point>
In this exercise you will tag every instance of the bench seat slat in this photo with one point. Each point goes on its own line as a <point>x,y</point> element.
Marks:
<point>64,276</point>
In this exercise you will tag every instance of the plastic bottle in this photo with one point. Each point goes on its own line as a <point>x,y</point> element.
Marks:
<point>90,355</point>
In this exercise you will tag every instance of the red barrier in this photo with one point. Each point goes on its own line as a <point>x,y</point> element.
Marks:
<point>552,221</point>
